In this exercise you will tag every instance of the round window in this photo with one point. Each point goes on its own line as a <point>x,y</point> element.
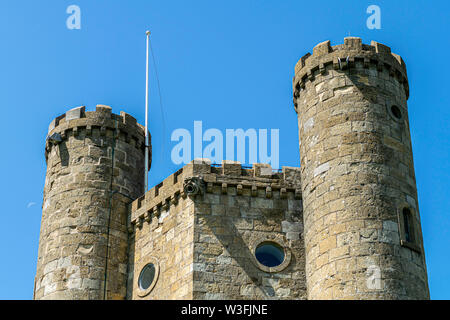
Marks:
<point>396,112</point>
<point>269,254</point>
<point>147,276</point>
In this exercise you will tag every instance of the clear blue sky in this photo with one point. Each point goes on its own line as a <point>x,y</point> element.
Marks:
<point>227,63</point>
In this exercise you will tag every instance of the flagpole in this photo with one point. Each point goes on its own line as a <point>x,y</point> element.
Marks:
<point>146,117</point>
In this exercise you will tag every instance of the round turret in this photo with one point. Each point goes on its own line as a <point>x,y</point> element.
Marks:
<point>361,216</point>
<point>95,168</point>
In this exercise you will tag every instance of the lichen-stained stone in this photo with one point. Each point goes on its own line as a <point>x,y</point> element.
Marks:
<point>357,174</point>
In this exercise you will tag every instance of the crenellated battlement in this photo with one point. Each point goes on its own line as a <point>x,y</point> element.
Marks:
<point>200,177</point>
<point>353,53</point>
<point>102,121</point>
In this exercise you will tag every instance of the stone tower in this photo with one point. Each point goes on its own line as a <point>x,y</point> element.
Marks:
<point>95,168</point>
<point>361,216</point>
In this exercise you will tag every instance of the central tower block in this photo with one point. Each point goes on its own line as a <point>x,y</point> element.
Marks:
<point>95,168</point>
<point>363,235</point>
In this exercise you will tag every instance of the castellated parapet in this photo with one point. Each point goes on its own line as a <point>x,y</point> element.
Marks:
<point>202,225</point>
<point>363,235</point>
<point>95,168</point>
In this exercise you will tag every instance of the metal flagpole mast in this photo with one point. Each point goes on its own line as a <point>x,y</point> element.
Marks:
<point>146,117</point>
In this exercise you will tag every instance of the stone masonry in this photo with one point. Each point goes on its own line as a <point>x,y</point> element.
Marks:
<point>345,225</point>
<point>203,242</point>
<point>357,174</point>
<point>95,168</point>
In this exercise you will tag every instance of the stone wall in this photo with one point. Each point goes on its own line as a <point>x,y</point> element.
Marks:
<point>86,197</point>
<point>357,174</point>
<point>203,238</point>
<point>163,235</point>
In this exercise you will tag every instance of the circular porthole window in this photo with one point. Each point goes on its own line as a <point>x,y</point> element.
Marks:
<point>147,276</point>
<point>269,254</point>
<point>396,112</point>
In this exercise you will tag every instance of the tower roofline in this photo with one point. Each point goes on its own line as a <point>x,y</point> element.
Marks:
<point>345,56</point>
<point>79,120</point>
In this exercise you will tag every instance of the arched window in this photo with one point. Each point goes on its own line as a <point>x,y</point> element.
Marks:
<point>408,225</point>
<point>408,229</point>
